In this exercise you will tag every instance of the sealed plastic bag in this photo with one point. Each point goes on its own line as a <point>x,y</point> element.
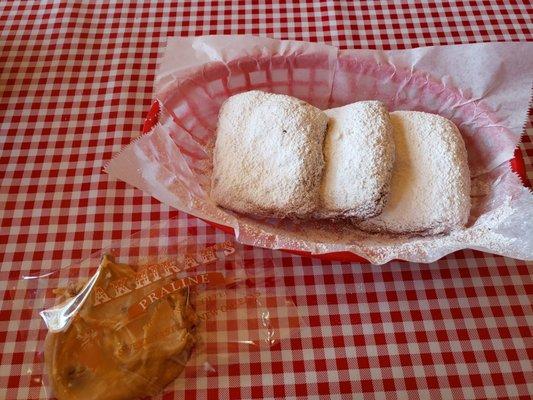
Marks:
<point>156,310</point>
<point>483,88</point>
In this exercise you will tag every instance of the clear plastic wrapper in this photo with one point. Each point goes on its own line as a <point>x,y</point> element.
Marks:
<point>483,88</point>
<point>154,312</point>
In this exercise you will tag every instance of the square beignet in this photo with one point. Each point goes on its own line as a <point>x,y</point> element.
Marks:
<point>430,186</point>
<point>359,156</point>
<point>268,157</point>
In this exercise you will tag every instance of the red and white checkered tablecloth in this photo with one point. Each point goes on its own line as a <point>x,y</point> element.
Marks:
<point>75,84</point>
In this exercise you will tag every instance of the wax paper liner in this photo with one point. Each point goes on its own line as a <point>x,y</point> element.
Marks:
<point>245,310</point>
<point>483,88</point>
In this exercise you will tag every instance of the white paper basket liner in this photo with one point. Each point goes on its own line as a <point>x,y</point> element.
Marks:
<point>483,88</point>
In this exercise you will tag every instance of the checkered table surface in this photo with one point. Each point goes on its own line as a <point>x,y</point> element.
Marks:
<point>75,84</point>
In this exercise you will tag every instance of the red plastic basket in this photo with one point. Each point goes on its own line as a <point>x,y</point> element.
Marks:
<point>517,165</point>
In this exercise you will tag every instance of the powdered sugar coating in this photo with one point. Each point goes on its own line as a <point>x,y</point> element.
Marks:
<point>430,185</point>
<point>359,156</point>
<point>268,155</point>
